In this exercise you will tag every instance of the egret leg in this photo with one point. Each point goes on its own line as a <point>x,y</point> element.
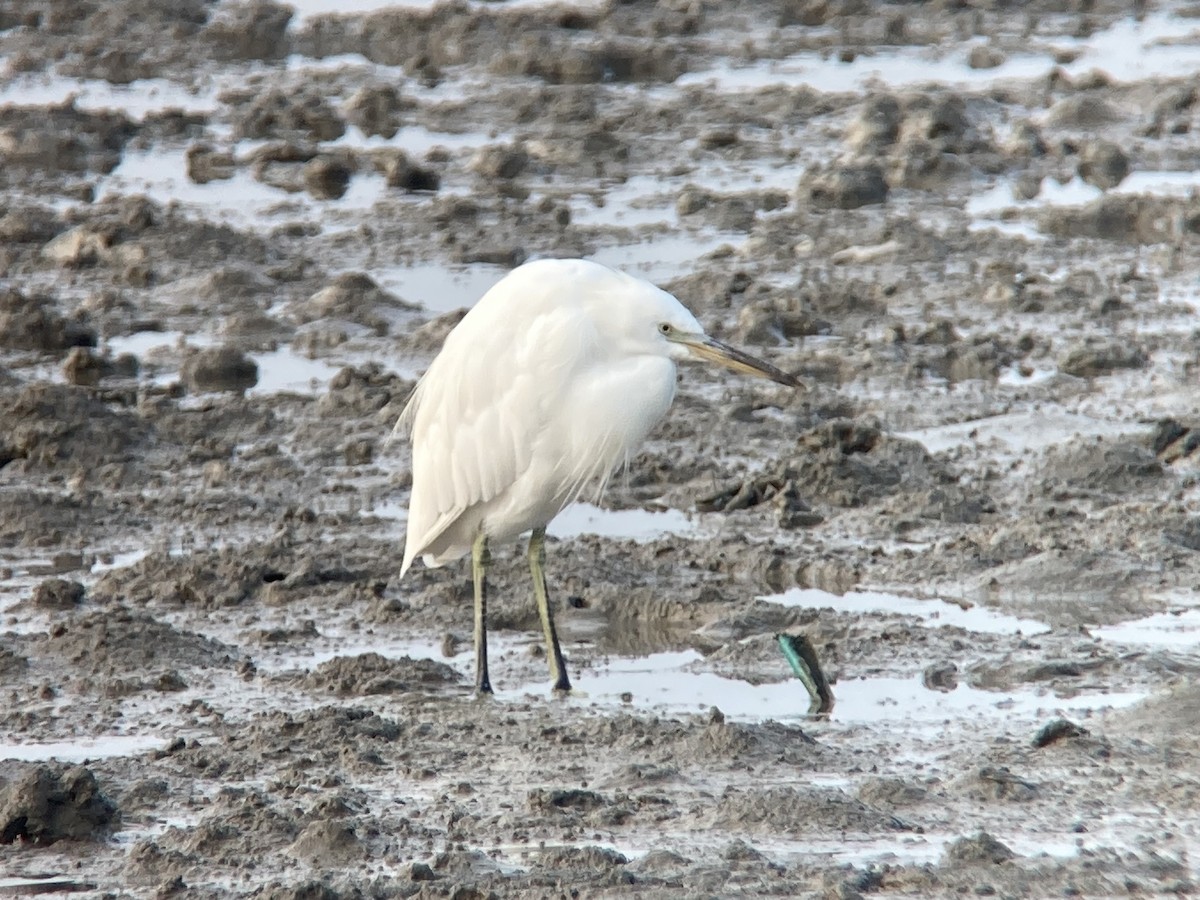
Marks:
<point>537,561</point>
<point>480,557</point>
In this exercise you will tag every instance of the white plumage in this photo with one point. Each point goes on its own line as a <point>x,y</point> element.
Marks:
<point>540,391</point>
<point>543,389</point>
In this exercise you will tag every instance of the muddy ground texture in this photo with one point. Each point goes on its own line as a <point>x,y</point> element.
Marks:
<point>214,683</point>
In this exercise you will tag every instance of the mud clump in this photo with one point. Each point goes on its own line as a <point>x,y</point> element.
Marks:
<point>371,673</point>
<point>1103,164</point>
<point>352,297</point>
<point>1129,219</point>
<point>43,804</point>
<point>538,56</point>
<point>566,799</point>
<point>327,843</point>
<point>376,110</point>
<point>34,323</point>
<point>1174,440</point>
<point>849,464</point>
<point>1102,468</point>
<point>219,369</point>
<point>57,139</point>
<point>278,115</point>
<point>399,171</point>
<point>84,367</point>
<point>327,177</point>
<point>58,593</point>
<point>121,641</point>
<point>220,579</point>
<point>1091,359</point>
<point>249,31</point>
<point>500,163</point>
<point>205,163</point>
<point>48,425</point>
<point>797,811</point>
<point>369,390</point>
<point>23,224</point>
<point>1057,730</point>
<point>982,849</point>
<point>846,187</point>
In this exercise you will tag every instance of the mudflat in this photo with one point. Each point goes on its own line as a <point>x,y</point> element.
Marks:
<point>233,235</point>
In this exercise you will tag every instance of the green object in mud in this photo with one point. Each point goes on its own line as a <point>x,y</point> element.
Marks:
<point>802,656</point>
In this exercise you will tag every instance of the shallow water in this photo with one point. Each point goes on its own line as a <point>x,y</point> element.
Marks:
<point>161,175</point>
<point>136,99</point>
<point>308,8</point>
<point>671,684</point>
<point>282,369</point>
<point>663,257</point>
<point>1178,629</point>
<point>620,524</point>
<point>580,519</point>
<point>78,751</point>
<point>439,288</point>
<point>932,612</point>
<point>1018,433</point>
<point>1129,50</point>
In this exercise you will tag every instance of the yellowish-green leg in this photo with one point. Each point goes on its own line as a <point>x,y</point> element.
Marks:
<point>537,561</point>
<point>480,557</point>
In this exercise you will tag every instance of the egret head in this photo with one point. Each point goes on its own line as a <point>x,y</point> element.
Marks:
<point>636,318</point>
<point>698,345</point>
<point>683,338</point>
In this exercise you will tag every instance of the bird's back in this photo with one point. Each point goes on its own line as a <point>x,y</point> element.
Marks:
<point>522,408</point>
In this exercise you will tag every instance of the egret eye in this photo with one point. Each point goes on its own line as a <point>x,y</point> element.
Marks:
<point>665,328</point>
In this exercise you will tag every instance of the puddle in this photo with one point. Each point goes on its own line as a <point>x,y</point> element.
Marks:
<point>622,524</point>
<point>1014,229</point>
<point>1016,376</point>
<point>663,257</point>
<point>1019,432</point>
<point>441,287</point>
<point>903,67</point>
<point>667,682</point>
<point>285,370</point>
<point>161,175</point>
<point>119,561</point>
<point>987,209</point>
<point>279,370</point>
<point>1158,183</point>
<point>416,140</point>
<point>995,200</point>
<point>638,201</point>
<point>438,287</point>
<point>649,200</point>
<point>84,748</point>
<point>141,343</point>
<point>585,518</point>
<point>1128,50</point>
<point>308,8</point>
<point>1177,629</point>
<point>934,613</point>
<point>136,99</point>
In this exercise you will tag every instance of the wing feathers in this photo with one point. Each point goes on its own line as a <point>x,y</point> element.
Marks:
<point>476,415</point>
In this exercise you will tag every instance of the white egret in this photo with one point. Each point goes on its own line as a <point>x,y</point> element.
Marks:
<point>544,389</point>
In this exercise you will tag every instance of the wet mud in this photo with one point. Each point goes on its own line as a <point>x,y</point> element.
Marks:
<point>234,234</point>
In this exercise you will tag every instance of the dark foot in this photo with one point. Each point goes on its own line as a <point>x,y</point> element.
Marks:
<point>563,685</point>
<point>484,688</point>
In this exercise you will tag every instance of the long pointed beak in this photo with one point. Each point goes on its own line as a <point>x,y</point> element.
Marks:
<point>705,347</point>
